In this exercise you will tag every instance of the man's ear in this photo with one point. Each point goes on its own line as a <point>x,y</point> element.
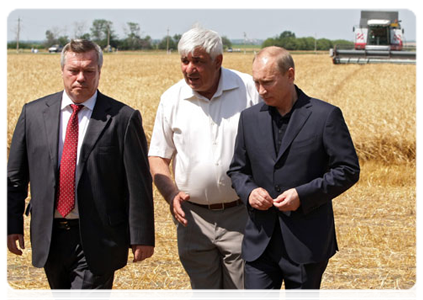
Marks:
<point>218,60</point>
<point>291,74</point>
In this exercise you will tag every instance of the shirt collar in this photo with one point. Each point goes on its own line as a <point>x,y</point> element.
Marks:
<point>275,113</point>
<point>66,101</point>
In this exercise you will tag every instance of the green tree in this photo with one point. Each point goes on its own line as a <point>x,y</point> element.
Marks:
<point>270,42</point>
<point>324,44</point>
<point>177,38</point>
<point>133,40</point>
<point>85,36</point>
<point>343,43</point>
<point>63,40</point>
<point>226,43</point>
<point>146,43</point>
<point>24,45</point>
<point>289,41</point>
<point>51,38</point>
<point>286,35</point>
<point>102,33</point>
<point>167,43</point>
<point>309,43</point>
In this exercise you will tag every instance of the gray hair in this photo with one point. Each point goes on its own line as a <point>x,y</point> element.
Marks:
<point>82,46</point>
<point>198,37</point>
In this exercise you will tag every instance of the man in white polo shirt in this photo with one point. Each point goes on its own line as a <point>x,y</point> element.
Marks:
<point>196,126</point>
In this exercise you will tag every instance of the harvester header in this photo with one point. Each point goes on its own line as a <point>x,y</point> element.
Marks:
<point>378,39</point>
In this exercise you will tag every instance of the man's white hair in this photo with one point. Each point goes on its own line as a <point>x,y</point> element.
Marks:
<point>198,37</point>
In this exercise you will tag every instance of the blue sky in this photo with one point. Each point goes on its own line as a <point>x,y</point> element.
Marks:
<point>253,23</point>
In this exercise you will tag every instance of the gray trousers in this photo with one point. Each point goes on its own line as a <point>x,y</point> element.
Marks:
<point>210,246</point>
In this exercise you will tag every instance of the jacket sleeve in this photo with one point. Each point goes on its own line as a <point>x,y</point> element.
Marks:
<point>139,181</point>
<point>17,178</point>
<point>343,167</point>
<point>240,167</point>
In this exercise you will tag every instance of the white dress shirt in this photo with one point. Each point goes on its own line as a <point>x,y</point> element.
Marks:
<point>84,116</point>
<point>199,134</point>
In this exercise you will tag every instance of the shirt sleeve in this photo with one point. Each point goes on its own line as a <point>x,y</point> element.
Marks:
<point>252,91</point>
<point>161,143</point>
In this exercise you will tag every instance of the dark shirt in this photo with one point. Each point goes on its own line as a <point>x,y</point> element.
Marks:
<point>279,125</point>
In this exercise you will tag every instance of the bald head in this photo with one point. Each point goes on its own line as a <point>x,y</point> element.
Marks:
<point>282,57</point>
<point>274,75</point>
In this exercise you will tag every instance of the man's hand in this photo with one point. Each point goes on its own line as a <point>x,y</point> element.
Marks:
<point>142,252</point>
<point>260,199</point>
<point>288,201</point>
<point>176,207</point>
<point>11,243</point>
<point>160,172</point>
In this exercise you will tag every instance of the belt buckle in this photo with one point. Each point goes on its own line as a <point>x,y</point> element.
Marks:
<point>65,225</point>
<point>217,209</point>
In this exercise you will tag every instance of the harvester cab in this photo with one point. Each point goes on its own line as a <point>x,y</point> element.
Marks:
<point>378,39</point>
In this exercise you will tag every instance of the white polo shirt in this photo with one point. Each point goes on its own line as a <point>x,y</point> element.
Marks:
<point>199,134</point>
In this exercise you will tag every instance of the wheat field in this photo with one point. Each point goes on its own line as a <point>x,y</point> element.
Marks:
<point>375,220</point>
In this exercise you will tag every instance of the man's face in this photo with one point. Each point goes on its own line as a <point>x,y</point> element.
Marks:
<point>201,73</point>
<point>273,87</point>
<point>80,75</point>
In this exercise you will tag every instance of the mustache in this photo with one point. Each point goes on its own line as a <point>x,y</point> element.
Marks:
<point>195,74</point>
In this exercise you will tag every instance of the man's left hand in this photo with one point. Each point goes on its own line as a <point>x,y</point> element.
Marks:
<point>142,252</point>
<point>287,201</point>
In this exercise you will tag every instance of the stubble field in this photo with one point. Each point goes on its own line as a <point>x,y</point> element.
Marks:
<point>375,220</point>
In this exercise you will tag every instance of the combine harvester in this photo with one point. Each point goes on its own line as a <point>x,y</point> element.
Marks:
<point>378,39</point>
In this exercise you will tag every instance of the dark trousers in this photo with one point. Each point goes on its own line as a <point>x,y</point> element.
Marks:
<point>66,266</point>
<point>274,267</point>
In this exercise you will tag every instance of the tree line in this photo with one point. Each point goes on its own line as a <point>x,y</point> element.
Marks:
<point>103,33</point>
<point>289,41</point>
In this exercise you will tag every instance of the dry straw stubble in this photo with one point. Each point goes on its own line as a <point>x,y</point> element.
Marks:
<point>375,219</point>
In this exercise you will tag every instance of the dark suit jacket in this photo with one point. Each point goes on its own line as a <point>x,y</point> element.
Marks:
<point>317,157</point>
<point>114,185</point>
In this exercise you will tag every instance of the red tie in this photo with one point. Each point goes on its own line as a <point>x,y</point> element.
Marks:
<point>66,192</point>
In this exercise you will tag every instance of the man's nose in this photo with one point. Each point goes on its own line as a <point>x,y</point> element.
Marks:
<point>191,67</point>
<point>261,90</point>
<point>80,77</point>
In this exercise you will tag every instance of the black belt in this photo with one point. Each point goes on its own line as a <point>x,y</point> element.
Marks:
<point>65,224</point>
<point>219,206</point>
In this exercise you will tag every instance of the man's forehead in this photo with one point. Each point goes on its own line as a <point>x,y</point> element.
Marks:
<point>85,53</point>
<point>197,53</point>
<point>264,60</point>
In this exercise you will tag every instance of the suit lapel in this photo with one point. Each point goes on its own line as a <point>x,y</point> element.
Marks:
<point>51,116</point>
<point>266,131</point>
<point>98,121</point>
<point>296,123</point>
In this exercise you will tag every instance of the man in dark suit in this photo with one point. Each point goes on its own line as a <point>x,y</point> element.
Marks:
<point>85,157</point>
<point>293,155</point>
